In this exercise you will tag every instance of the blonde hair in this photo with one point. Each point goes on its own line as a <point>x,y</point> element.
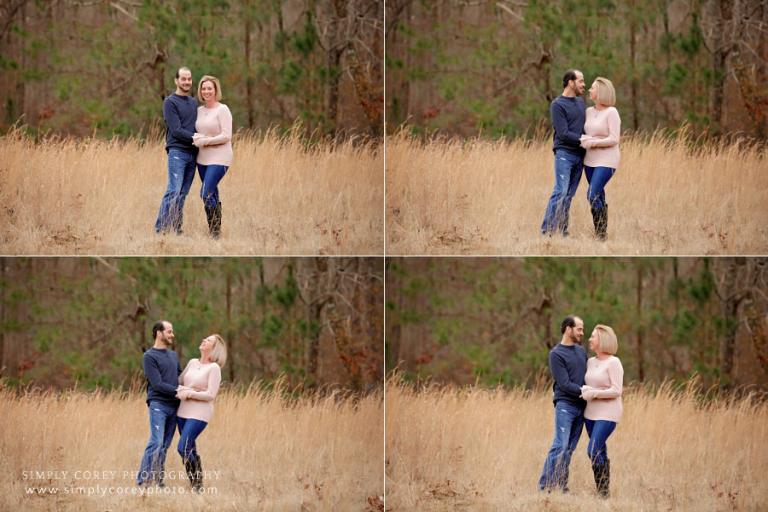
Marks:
<point>216,86</point>
<point>219,351</point>
<point>606,340</point>
<point>606,94</point>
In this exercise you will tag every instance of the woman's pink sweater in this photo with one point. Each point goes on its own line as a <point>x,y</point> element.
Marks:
<point>605,378</point>
<point>206,378</point>
<point>216,126</point>
<point>602,129</point>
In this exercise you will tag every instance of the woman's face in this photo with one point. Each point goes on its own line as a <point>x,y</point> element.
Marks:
<point>593,92</point>
<point>208,91</point>
<point>594,341</point>
<point>207,345</point>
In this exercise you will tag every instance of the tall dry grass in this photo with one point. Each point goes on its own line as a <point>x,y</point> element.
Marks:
<point>488,197</point>
<point>91,196</point>
<point>311,455</point>
<point>474,449</point>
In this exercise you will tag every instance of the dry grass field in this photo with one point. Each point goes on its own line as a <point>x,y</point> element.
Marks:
<point>472,449</point>
<point>258,452</point>
<point>92,196</point>
<point>488,198</point>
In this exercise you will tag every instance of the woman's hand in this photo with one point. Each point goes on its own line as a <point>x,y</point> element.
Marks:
<point>198,139</point>
<point>588,393</point>
<point>182,392</point>
<point>586,141</point>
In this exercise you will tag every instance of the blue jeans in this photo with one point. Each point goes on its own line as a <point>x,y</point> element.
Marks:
<point>181,173</point>
<point>162,425</point>
<point>189,429</point>
<point>568,167</point>
<point>598,431</point>
<point>211,175</point>
<point>569,421</point>
<point>597,177</point>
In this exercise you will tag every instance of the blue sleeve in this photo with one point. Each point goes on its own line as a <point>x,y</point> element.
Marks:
<point>560,124</point>
<point>152,372</point>
<point>171,116</point>
<point>560,374</point>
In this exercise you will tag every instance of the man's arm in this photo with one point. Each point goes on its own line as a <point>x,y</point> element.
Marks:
<point>560,374</point>
<point>152,373</point>
<point>560,124</point>
<point>171,116</point>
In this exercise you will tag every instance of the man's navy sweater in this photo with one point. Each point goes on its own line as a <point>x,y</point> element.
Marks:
<point>162,370</point>
<point>568,116</point>
<point>568,365</point>
<point>180,114</point>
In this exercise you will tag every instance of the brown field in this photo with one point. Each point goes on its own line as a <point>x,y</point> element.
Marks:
<point>488,198</point>
<point>101,197</point>
<point>473,449</point>
<point>316,454</point>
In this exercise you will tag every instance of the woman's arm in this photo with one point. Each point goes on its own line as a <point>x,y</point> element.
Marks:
<point>614,132</point>
<point>616,376</point>
<point>214,380</point>
<point>225,120</point>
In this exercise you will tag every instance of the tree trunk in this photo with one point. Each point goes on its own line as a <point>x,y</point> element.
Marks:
<point>639,323</point>
<point>633,65</point>
<point>247,29</point>
<point>720,52</point>
<point>230,331</point>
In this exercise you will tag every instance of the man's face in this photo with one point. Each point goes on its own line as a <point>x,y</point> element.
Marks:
<point>577,331</point>
<point>184,82</point>
<point>578,84</point>
<point>167,334</point>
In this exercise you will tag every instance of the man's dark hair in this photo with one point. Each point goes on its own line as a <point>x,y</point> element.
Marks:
<point>182,67</point>
<point>567,77</point>
<point>158,327</point>
<point>569,321</point>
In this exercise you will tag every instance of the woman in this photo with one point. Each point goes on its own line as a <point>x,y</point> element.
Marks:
<point>199,383</point>
<point>601,140</point>
<point>214,140</point>
<point>602,391</point>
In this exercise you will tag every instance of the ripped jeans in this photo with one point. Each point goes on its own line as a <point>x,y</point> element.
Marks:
<point>569,422</point>
<point>181,173</point>
<point>568,169</point>
<point>162,425</point>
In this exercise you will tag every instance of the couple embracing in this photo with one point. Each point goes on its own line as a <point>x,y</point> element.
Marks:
<point>178,399</point>
<point>195,135</point>
<point>586,392</point>
<point>585,139</point>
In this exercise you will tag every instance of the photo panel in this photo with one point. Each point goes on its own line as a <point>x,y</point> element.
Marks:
<point>192,383</point>
<point>558,383</point>
<point>616,128</point>
<point>233,128</point>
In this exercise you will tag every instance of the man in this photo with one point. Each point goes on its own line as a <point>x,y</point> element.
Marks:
<point>180,114</point>
<point>162,370</point>
<point>568,114</point>
<point>568,365</point>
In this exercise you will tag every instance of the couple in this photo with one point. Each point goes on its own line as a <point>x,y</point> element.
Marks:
<point>586,392</point>
<point>178,399</point>
<point>195,135</point>
<point>584,139</point>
